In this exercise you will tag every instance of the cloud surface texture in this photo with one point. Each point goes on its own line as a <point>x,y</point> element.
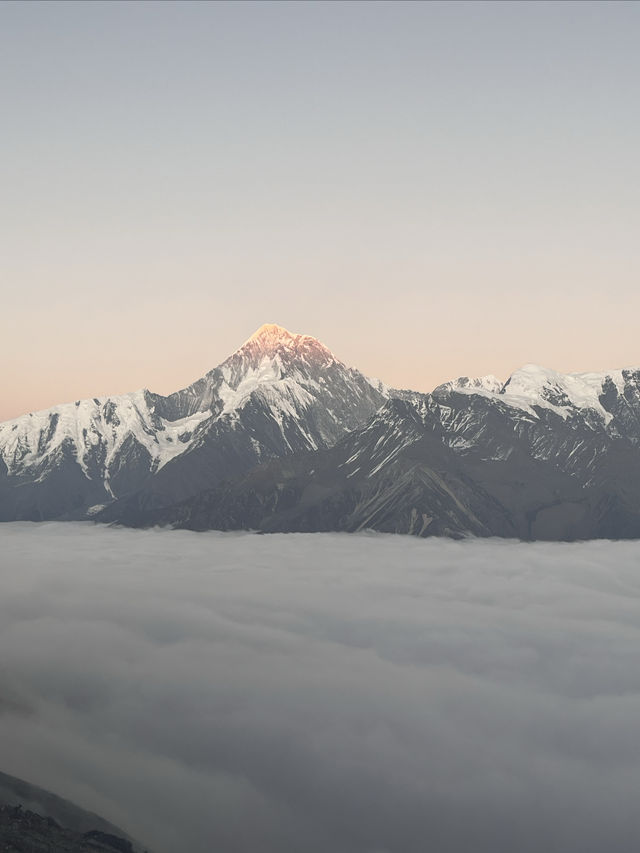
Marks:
<point>326,693</point>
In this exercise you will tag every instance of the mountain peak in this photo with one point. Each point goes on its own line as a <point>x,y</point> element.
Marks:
<point>270,335</point>
<point>271,340</point>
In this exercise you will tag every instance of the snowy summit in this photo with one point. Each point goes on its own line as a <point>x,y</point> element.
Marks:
<point>279,393</point>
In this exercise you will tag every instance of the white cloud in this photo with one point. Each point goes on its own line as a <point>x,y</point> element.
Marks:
<point>326,692</point>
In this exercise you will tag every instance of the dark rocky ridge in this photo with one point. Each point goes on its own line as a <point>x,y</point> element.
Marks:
<point>33,820</point>
<point>27,832</point>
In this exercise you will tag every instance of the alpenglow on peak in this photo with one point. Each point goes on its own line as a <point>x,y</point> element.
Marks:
<point>271,339</point>
<point>271,333</point>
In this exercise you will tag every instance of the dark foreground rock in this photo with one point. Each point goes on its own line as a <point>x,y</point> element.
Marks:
<point>24,831</point>
<point>33,819</point>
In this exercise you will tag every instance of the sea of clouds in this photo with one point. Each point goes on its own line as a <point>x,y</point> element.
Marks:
<point>326,693</point>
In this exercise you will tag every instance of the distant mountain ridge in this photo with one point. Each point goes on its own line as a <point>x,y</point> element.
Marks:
<point>284,436</point>
<point>460,461</point>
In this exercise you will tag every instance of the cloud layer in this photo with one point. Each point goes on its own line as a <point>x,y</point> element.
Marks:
<point>326,692</point>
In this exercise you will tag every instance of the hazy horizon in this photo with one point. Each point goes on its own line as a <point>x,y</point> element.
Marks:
<point>432,190</point>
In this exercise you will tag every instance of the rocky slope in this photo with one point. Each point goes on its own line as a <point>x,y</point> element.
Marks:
<point>33,820</point>
<point>27,832</point>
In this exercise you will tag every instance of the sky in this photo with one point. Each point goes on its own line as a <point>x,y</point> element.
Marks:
<point>352,693</point>
<point>431,189</point>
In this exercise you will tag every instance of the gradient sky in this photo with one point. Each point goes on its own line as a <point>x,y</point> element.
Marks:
<point>431,189</point>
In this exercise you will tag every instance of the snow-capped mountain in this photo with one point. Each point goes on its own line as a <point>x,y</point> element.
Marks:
<point>543,455</point>
<point>565,393</point>
<point>278,394</point>
<point>284,436</point>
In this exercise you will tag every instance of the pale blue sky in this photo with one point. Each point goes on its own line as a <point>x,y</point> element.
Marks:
<point>432,189</point>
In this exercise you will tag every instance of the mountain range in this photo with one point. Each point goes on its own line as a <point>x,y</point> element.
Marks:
<point>282,436</point>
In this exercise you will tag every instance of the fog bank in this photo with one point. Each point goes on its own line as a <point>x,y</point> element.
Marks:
<point>324,692</point>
